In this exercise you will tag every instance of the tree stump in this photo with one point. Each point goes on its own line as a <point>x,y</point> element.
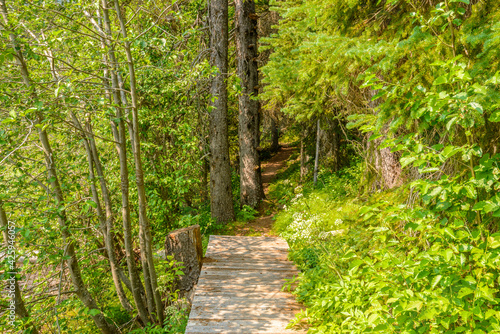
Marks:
<point>185,245</point>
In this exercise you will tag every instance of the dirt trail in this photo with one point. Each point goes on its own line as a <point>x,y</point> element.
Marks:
<point>261,226</point>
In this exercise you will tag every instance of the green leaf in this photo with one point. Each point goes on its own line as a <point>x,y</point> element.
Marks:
<point>441,80</point>
<point>495,117</point>
<point>381,327</point>
<point>485,206</point>
<point>414,304</point>
<point>495,80</point>
<point>94,312</point>
<point>405,161</point>
<point>476,106</point>
<point>435,281</point>
<point>493,242</point>
<point>448,253</point>
<point>490,313</point>
<point>471,191</point>
<point>449,232</point>
<point>379,95</point>
<point>480,89</point>
<point>464,292</point>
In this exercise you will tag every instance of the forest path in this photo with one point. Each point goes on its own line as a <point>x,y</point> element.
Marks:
<point>262,225</point>
<point>239,289</point>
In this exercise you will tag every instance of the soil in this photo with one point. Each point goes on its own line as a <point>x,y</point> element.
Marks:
<point>262,225</point>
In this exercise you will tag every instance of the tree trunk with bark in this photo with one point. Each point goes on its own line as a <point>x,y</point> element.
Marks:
<point>275,133</point>
<point>304,158</point>
<point>316,156</point>
<point>221,199</point>
<point>384,163</point>
<point>20,308</point>
<point>251,191</point>
<point>106,222</point>
<point>185,245</point>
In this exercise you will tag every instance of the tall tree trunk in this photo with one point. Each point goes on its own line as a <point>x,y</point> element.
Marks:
<point>119,133</point>
<point>386,163</point>
<point>303,156</point>
<point>390,168</point>
<point>110,235</point>
<point>73,265</point>
<point>251,191</point>
<point>74,268</point>
<point>106,222</point>
<point>275,133</point>
<point>221,198</point>
<point>149,272</point>
<point>20,309</point>
<point>316,157</point>
<point>336,145</point>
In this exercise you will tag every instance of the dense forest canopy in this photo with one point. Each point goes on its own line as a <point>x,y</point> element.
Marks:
<point>123,121</point>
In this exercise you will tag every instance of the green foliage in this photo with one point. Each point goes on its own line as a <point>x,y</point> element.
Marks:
<point>385,267</point>
<point>176,312</point>
<point>246,213</point>
<point>422,80</point>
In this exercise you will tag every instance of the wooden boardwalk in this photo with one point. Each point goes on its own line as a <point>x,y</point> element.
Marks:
<point>239,289</point>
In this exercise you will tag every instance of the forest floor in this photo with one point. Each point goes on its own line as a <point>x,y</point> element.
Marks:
<point>262,225</point>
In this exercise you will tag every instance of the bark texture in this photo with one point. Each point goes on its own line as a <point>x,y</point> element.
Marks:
<point>185,246</point>
<point>251,191</point>
<point>384,169</point>
<point>221,199</point>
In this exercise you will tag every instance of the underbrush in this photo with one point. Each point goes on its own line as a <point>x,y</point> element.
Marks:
<point>385,265</point>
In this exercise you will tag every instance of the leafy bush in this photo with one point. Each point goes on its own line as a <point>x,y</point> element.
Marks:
<point>176,312</point>
<point>388,267</point>
<point>246,213</point>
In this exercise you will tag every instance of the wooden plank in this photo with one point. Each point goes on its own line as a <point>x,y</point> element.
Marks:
<point>257,293</point>
<point>247,243</point>
<point>285,273</point>
<point>237,304</point>
<point>245,252</point>
<point>264,299</point>
<point>241,281</point>
<point>258,272</point>
<point>238,326</point>
<point>231,288</point>
<point>244,239</point>
<point>247,313</point>
<point>251,266</point>
<point>264,250</point>
<point>252,258</point>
